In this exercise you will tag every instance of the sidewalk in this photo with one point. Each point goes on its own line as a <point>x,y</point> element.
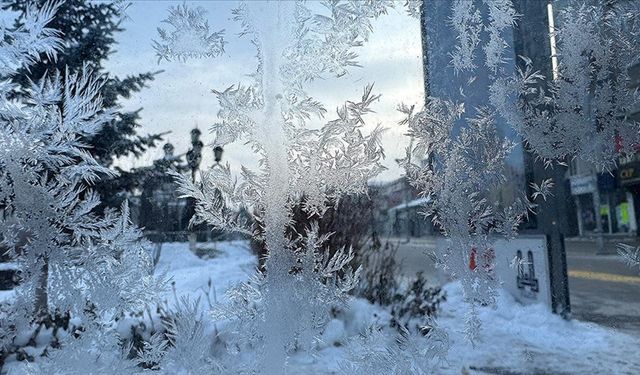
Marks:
<point>588,244</point>
<point>583,245</point>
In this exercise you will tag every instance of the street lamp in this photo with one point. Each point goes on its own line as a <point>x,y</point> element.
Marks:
<point>194,155</point>
<point>217,153</point>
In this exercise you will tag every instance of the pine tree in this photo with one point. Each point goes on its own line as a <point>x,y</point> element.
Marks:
<point>72,262</point>
<point>89,30</point>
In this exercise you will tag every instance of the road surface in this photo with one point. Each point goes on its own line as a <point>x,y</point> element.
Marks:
<point>603,288</point>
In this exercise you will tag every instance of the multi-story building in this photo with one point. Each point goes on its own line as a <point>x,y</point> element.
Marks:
<point>398,210</point>
<point>628,173</point>
<point>529,38</point>
<point>606,202</point>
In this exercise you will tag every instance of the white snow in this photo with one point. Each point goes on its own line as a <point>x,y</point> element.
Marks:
<point>335,333</point>
<point>414,203</point>
<point>6,295</point>
<point>514,339</point>
<point>232,263</point>
<point>9,266</point>
<point>530,339</point>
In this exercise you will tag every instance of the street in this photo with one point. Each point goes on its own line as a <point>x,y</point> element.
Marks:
<point>603,289</point>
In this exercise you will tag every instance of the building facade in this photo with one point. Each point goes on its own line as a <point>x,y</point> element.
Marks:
<point>529,38</point>
<point>399,210</point>
<point>606,202</point>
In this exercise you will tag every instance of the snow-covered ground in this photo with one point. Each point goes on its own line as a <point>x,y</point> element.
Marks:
<point>515,339</point>
<point>530,339</point>
<point>228,263</point>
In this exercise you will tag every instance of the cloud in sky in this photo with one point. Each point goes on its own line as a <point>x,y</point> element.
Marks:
<point>180,98</point>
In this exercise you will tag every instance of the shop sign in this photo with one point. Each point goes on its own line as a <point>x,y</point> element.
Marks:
<point>629,174</point>
<point>629,159</point>
<point>583,184</point>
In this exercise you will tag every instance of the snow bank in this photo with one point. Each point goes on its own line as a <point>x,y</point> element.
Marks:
<point>530,339</point>
<point>233,263</point>
<point>515,338</point>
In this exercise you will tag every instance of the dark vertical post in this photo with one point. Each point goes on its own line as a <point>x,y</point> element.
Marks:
<point>531,39</point>
<point>560,302</point>
<point>425,49</point>
<point>194,157</point>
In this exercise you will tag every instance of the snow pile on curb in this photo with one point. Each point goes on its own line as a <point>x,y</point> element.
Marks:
<point>514,338</point>
<point>530,339</point>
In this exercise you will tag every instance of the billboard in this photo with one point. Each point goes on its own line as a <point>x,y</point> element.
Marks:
<point>522,265</point>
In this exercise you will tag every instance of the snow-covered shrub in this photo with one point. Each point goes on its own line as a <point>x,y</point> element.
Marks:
<point>73,261</point>
<point>378,281</point>
<point>415,304</point>
<point>184,346</point>
<point>412,302</point>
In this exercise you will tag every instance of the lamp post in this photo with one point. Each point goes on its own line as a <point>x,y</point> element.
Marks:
<point>217,154</point>
<point>194,157</point>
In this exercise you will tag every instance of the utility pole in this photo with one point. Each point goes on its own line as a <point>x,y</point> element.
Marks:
<point>596,208</point>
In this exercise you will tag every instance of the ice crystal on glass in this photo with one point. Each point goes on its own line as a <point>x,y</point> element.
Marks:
<point>460,173</point>
<point>581,112</point>
<point>294,46</point>
<point>470,20</point>
<point>467,23</point>
<point>190,36</point>
<point>72,260</point>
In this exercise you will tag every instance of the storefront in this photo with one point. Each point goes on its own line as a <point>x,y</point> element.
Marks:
<point>616,210</point>
<point>629,180</point>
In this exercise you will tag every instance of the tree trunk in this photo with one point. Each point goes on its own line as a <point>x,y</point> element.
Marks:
<point>42,288</point>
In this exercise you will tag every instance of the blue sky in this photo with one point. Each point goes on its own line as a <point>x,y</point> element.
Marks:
<point>180,98</point>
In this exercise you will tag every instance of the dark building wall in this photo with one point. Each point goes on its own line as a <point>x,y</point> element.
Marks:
<point>530,38</point>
